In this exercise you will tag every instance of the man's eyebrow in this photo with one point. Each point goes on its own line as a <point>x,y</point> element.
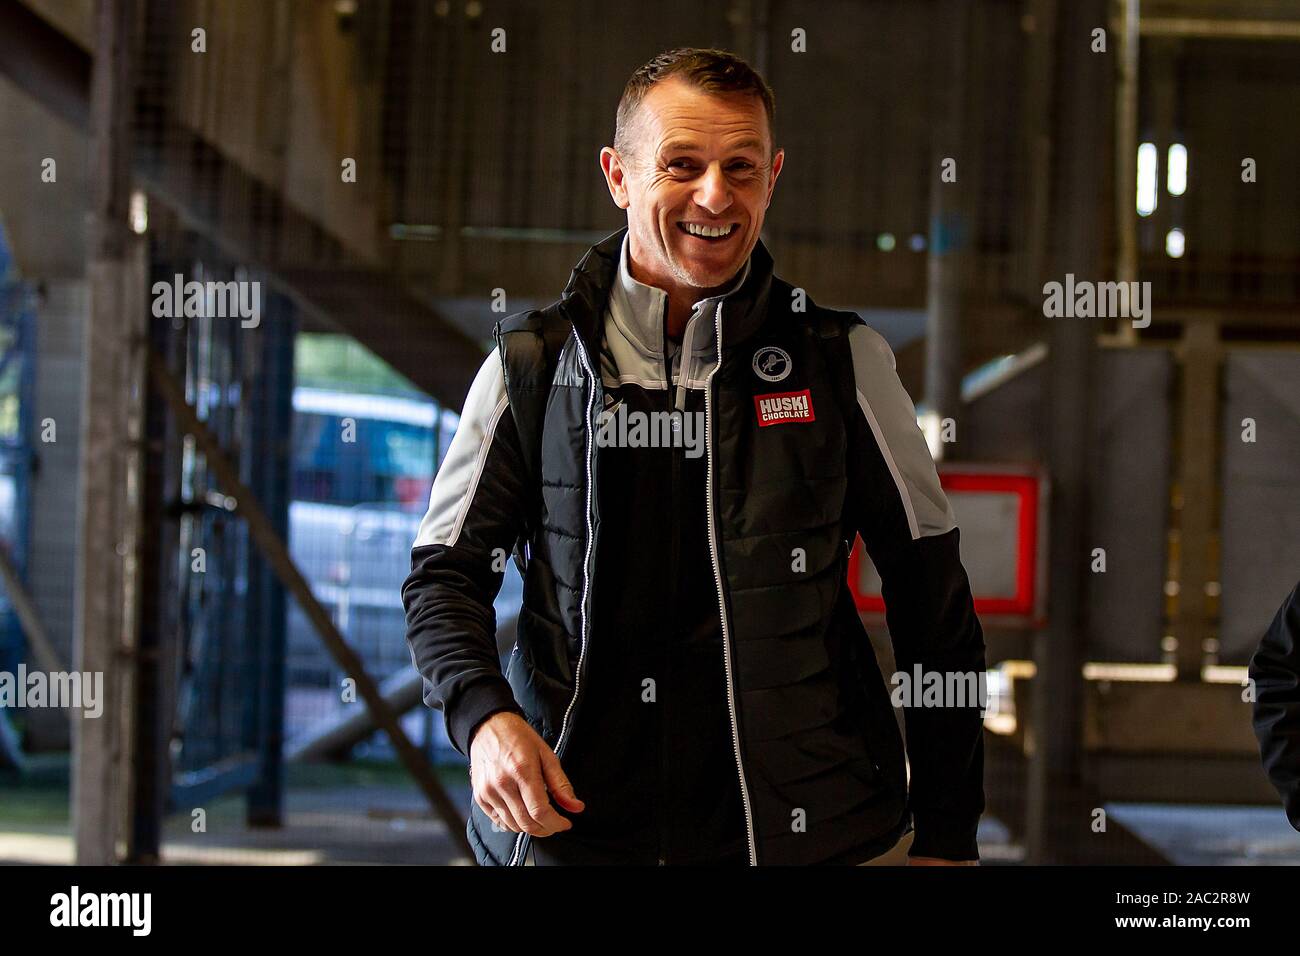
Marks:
<point>680,145</point>
<point>690,146</point>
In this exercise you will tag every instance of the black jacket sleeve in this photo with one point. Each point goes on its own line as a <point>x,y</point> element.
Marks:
<point>458,562</point>
<point>1275,670</point>
<point>909,531</point>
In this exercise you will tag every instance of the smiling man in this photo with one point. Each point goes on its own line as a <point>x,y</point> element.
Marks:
<point>691,682</point>
<point>693,163</point>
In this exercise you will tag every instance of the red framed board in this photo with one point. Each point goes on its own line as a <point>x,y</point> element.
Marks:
<point>1001,511</point>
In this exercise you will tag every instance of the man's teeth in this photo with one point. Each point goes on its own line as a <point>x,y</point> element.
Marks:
<point>708,232</point>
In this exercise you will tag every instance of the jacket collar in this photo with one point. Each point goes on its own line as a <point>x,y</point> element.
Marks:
<point>592,281</point>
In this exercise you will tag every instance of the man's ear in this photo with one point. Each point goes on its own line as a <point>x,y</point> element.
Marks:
<point>778,161</point>
<point>611,164</point>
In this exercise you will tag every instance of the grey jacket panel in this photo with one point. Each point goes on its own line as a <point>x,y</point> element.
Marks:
<point>475,515</point>
<point>891,416</point>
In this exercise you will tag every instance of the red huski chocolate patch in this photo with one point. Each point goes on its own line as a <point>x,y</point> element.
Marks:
<point>779,407</point>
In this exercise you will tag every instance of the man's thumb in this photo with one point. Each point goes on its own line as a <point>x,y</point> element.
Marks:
<point>558,784</point>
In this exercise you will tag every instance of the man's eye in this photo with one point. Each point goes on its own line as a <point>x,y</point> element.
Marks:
<point>742,166</point>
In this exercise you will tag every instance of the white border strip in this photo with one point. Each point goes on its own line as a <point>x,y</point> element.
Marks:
<point>478,470</point>
<point>893,467</point>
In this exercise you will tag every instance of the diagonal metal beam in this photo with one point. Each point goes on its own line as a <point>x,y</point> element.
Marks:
<point>48,66</point>
<point>277,556</point>
<point>24,605</point>
<point>250,221</point>
<point>404,692</point>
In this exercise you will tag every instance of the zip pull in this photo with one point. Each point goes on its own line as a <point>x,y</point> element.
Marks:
<point>688,357</point>
<point>684,364</point>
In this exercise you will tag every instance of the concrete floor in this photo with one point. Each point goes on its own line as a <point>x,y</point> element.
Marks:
<point>372,816</point>
<point>1213,835</point>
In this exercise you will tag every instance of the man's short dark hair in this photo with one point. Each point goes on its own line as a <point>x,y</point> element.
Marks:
<point>714,71</point>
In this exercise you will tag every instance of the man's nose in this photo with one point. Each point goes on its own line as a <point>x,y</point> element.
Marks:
<point>713,192</point>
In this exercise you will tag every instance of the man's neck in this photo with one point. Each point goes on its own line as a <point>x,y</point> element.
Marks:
<point>681,298</point>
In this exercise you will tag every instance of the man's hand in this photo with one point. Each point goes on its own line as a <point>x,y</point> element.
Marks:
<point>935,861</point>
<point>512,769</point>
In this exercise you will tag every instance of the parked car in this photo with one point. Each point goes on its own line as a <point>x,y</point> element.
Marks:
<point>362,469</point>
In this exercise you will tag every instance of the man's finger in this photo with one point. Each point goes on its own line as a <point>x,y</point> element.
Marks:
<point>498,809</point>
<point>509,791</point>
<point>532,791</point>
<point>557,782</point>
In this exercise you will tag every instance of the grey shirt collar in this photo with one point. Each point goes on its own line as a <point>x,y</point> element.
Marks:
<point>633,349</point>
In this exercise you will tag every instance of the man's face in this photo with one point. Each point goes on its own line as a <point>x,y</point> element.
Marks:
<point>700,164</point>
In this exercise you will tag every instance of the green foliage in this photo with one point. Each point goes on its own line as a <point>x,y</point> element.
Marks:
<point>339,362</point>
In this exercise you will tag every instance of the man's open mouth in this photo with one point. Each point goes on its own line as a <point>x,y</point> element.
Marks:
<point>707,233</point>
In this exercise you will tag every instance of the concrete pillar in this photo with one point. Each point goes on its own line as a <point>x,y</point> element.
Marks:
<point>1056,822</point>
<point>108,500</point>
<point>950,228</point>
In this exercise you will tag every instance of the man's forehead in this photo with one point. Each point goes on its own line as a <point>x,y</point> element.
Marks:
<point>676,113</point>
<point>679,139</point>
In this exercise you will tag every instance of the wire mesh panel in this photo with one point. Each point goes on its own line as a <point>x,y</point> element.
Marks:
<point>382,180</point>
<point>17,343</point>
<point>1260,432</point>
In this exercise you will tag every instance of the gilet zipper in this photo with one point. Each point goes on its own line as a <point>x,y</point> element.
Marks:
<point>671,629</point>
<point>717,575</point>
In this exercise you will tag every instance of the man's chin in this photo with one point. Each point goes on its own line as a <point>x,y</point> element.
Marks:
<point>707,278</point>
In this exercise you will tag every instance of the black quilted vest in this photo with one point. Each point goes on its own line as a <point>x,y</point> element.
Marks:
<point>820,755</point>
